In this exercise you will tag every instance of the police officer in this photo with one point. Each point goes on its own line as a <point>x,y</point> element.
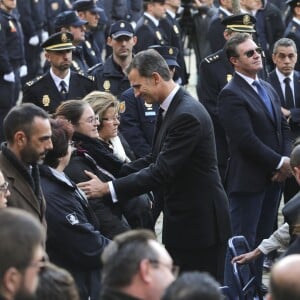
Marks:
<point>148,30</point>
<point>12,59</point>
<point>53,8</point>
<point>172,28</point>
<point>33,21</point>
<point>215,72</point>
<point>111,76</point>
<point>88,11</point>
<point>293,29</point>
<point>59,83</point>
<point>69,21</point>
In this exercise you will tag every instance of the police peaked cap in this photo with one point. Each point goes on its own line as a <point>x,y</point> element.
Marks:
<point>120,28</point>
<point>59,41</point>
<point>84,5</point>
<point>68,18</point>
<point>240,23</point>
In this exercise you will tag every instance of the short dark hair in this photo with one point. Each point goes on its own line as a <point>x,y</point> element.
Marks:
<point>232,44</point>
<point>62,132</point>
<point>284,42</point>
<point>122,257</point>
<point>295,156</point>
<point>56,283</point>
<point>20,234</point>
<point>149,61</point>
<point>193,286</point>
<point>20,118</point>
<point>70,110</point>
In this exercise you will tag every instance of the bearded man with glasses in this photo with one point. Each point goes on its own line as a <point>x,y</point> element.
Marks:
<point>259,144</point>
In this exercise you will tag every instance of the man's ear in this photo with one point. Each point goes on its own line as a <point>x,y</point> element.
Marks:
<point>156,77</point>
<point>296,171</point>
<point>134,39</point>
<point>11,281</point>
<point>145,269</point>
<point>233,60</point>
<point>20,138</point>
<point>108,41</point>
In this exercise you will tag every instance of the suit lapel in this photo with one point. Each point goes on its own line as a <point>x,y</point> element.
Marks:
<point>297,88</point>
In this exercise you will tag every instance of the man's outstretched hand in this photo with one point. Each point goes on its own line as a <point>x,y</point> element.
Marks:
<point>94,187</point>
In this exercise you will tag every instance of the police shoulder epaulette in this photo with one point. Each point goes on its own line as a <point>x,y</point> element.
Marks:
<point>35,80</point>
<point>89,77</point>
<point>212,58</point>
<point>93,68</point>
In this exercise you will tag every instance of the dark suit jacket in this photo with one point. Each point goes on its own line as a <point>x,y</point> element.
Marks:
<point>293,32</point>
<point>295,112</point>
<point>43,92</point>
<point>256,140</point>
<point>183,163</point>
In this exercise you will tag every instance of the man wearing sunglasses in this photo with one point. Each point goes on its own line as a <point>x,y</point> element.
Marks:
<point>259,144</point>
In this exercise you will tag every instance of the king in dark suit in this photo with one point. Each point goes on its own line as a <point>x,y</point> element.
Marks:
<point>259,143</point>
<point>183,164</point>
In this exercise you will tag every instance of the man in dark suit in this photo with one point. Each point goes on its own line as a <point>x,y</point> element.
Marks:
<point>210,82</point>
<point>183,163</point>
<point>259,143</point>
<point>59,83</point>
<point>286,82</point>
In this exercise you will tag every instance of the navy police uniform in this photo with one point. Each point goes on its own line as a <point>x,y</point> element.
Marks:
<point>216,29</point>
<point>149,34</point>
<point>43,92</point>
<point>109,77</point>
<point>11,59</point>
<point>293,29</point>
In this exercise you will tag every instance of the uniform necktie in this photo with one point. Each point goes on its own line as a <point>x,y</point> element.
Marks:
<point>264,96</point>
<point>289,98</point>
<point>63,89</point>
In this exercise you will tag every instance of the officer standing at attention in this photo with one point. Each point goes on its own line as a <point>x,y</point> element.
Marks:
<point>148,29</point>
<point>12,60</point>
<point>211,81</point>
<point>69,21</point>
<point>88,11</point>
<point>293,29</point>
<point>59,83</point>
<point>111,77</point>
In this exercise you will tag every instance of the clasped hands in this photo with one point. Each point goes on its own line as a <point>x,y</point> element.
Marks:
<point>94,187</point>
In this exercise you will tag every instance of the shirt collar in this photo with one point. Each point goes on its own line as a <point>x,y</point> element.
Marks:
<point>57,79</point>
<point>166,103</point>
<point>247,78</point>
<point>154,20</point>
<point>281,77</point>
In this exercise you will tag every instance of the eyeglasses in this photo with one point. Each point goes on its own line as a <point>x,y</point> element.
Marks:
<point>113,119</point>
<point>91,120</point>
<point>4,187</point>
<point>172,268</point>
<point>250,53</point>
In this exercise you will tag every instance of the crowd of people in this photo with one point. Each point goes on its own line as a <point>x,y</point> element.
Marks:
<point>100,137</point>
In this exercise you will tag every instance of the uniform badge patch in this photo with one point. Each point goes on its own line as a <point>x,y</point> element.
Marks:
<point>122,107</point>
<point>46,100</point>
<point>106,85</point>
<point>228,77</point>
<point>72,218</point>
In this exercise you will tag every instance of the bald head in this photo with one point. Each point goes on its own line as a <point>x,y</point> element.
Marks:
<point>285,278</point>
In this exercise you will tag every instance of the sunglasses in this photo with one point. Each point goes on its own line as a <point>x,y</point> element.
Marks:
<point>250,53</point>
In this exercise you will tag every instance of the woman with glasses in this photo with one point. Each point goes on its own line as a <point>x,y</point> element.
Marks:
<point>115,150</point>
<point>87,144</point>
<point>74,241</point>
<point>4,191</point>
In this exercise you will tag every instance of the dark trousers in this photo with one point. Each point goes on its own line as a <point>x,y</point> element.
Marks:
<point>209,260</point>
<point>253,216</point>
